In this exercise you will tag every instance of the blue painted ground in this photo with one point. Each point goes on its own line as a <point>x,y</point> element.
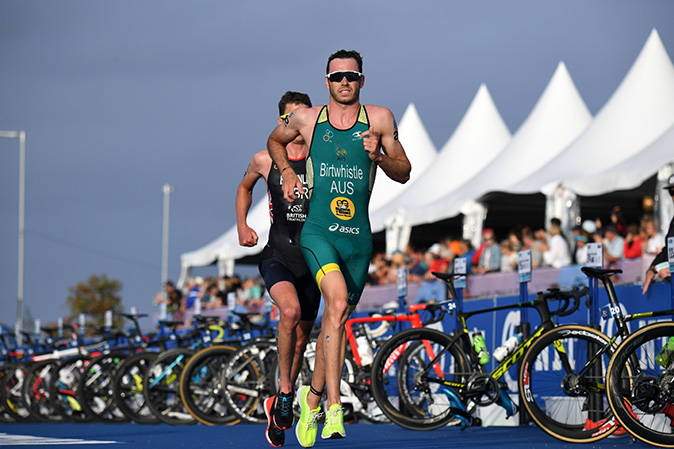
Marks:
<point>369,436</point>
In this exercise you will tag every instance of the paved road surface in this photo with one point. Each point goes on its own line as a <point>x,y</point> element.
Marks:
<point>368,436</point>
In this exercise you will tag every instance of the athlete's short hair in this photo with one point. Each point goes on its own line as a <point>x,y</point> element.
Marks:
<point>291,97</point>
<point>345,54</point>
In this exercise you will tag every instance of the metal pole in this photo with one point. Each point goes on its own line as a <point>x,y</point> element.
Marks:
<point>165,237</point>
<point>22,225</point>
<point>21,135</point>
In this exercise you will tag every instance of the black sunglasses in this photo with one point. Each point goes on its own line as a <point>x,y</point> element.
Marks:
<point>351,76</point>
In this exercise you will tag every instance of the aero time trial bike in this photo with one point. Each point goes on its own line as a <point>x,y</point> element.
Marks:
<point>423,379</point>
<point>563,375</point>
<point>642,398</point>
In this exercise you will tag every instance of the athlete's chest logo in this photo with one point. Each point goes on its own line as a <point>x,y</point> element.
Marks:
<point>342,208</point>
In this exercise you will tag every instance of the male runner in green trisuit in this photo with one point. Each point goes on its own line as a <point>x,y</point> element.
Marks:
<point>345,141</point>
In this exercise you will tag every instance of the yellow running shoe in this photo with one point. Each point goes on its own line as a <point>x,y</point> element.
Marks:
<point>334,423</point>
<point>306,429</point>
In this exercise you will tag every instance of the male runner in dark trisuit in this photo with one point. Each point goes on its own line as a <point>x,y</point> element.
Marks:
<point>282,266</point>
<point>344,139</point>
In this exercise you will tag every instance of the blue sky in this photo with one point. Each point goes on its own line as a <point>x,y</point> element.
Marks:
<point>119,98</point>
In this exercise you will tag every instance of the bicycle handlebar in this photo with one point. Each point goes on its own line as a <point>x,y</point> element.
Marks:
<point>433,308</point>
<point>552,293</point>
<point>564,310</point>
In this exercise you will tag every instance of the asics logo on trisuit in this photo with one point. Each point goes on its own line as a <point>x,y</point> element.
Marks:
<point>343,229</point>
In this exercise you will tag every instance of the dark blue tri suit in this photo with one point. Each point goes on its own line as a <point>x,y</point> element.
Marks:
<point>282,259</point>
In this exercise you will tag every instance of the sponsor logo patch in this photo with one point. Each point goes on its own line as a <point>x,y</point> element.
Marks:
<point>343,208</point>
<point>336,227</point>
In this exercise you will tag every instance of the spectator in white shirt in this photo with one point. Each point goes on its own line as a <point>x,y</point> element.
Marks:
<point>555,249</point>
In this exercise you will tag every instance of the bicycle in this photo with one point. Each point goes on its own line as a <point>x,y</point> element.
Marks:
<point>31,392</point>
<point>251,374</point>
<point>161,384</point>
<point>207,384</point>
<point>96,388</point>
<point>129,375</point>
<point>13,374</point>
<point>36,394</point>
<point>423,379</point>
<point>363,343</point>
<point>563,375</point>
<point>643,400</point>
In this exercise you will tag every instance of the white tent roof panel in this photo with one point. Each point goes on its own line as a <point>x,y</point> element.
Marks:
<point>559,116</point>
<point>420,151</point>
<point>478,139</point>
<point>637,114</point>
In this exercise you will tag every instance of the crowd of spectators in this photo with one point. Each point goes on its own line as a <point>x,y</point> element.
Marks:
<point>549,248</point>
<point>243,296</point>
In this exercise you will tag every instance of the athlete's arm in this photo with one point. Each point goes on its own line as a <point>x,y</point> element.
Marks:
<point>384,133</point>
<point>244,196</point>
<point>282,135</point>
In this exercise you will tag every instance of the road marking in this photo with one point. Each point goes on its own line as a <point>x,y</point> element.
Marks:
<point>27,440</point>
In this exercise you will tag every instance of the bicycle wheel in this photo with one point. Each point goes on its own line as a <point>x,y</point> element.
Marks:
<point>562,391</point>
<point>643,398</point>
<point>249,378</point>
<point>161,387</point>
<point>64,387</point>
<point>5,417</point>
<point>37,394</point>
<point>12,393</point>
<point>96,394</point>
<point>128,388</point>
<point>202,386</point>
<point>411,393</point>
<point>356,392</point>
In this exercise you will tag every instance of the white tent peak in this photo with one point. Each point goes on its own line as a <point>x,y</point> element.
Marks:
<point>420,151</point>
<point>481,113</point>
<point>227,245</point>
<point>640,111</point>
<point>479,137</point>
<point>556,120</point>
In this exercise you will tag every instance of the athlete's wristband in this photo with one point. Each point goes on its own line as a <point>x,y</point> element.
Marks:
<point>661,266</point>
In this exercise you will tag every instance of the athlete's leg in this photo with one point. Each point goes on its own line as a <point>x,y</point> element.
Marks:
<point>332,335</point>
<point>318,377</point>
<point>322,260</point>
<point>285,296</point>
<point>303,331</point>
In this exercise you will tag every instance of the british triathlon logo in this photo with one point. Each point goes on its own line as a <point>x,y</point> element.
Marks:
<point>342,208</point>
<point>341,154</point>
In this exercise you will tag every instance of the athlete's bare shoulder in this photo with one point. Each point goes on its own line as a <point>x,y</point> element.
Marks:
<point>378,114</point>
<point>302,117</point>
<point>382,120</point>
<point>302,120</point>
<point>260,163</point>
